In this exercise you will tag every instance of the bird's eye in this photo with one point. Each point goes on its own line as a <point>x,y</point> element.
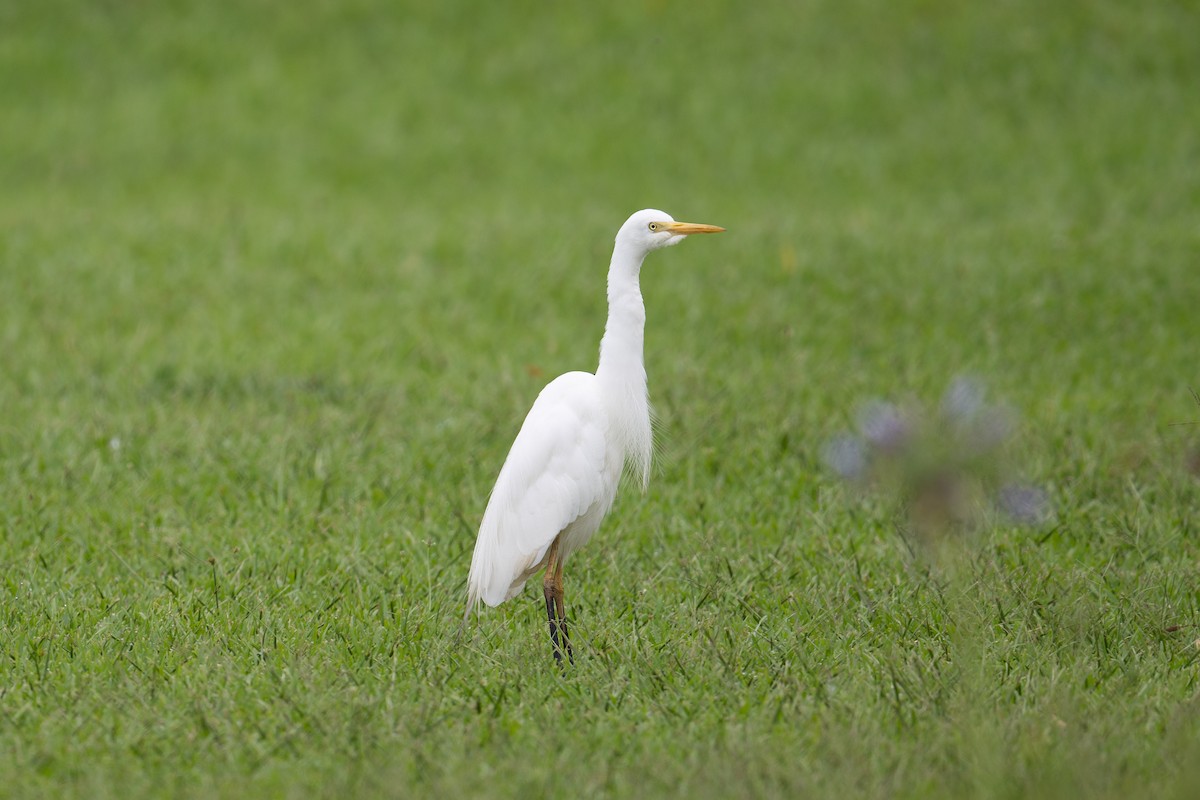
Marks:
<point>653,226</point>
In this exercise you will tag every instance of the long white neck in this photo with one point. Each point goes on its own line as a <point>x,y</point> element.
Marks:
<point>622,369</point>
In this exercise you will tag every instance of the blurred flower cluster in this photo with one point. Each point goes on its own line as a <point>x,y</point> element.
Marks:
<point>949,468</point>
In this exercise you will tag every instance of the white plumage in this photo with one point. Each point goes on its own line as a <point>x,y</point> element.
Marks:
<point>562,473</point>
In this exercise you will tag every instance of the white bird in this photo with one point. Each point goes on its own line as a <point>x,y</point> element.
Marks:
<point>562,472</point>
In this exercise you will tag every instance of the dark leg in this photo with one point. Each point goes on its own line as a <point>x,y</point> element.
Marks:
<point>561,608</point>
<point>552,604</point>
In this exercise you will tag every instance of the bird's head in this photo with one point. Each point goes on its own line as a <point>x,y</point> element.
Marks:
<point>651,229</point>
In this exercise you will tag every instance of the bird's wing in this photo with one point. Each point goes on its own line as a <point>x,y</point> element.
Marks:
<point>554,473</point>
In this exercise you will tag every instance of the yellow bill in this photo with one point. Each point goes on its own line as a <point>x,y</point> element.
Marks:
<point>688,228</point>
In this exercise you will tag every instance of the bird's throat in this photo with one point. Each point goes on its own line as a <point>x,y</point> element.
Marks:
<point>622,371</point>
<point>621,349</point>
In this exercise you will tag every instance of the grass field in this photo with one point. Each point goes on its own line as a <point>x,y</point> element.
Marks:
<point>278,283</point>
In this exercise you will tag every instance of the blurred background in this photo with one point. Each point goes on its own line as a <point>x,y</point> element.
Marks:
<point>278,283</point>
<point>424,195</point>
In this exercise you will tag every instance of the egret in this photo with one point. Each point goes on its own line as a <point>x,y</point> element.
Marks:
<point>561,475</point>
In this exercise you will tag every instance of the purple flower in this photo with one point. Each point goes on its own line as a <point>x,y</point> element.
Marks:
<point>883,426</point>
<point>1027,505</point>
<point>963,399</point>
<point>847,456</point>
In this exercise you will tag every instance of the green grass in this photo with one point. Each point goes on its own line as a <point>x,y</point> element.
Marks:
<point>278,282</point>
